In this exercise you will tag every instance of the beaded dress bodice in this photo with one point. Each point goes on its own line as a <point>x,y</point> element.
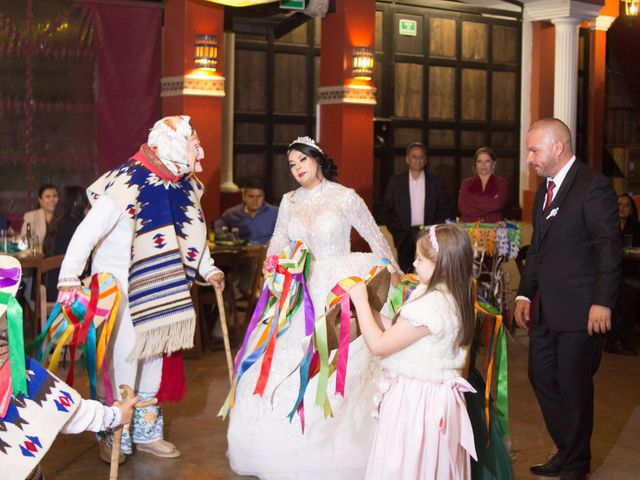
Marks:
<point>322,218</point>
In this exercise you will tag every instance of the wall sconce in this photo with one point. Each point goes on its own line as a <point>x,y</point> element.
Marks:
<point>206,51</point>
<point>362,67</point>
<point>631,7</point>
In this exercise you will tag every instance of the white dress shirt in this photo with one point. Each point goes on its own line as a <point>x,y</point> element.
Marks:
<point>417,193</point>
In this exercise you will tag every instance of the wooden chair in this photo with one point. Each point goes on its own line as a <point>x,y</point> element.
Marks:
<point>48,266</point>
<point>252,259</point>
<point>31,268</point>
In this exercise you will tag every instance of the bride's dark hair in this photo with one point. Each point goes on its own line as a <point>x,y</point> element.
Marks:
<point>325,162</point>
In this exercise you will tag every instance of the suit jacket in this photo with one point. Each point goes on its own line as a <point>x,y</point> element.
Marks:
<point>575,257</point>
<point>396,209</point>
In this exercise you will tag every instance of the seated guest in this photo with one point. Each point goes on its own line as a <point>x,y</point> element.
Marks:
<point>40,218</point>
<point>483,196</point>
<point>4,224</point>
<point>254,218</point>
<point>68,214</point>
<point>620,339</point>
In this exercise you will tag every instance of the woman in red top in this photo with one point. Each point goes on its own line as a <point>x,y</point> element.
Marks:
<point>483,197</point>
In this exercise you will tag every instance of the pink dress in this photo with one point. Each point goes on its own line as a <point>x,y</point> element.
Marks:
<point>423,429</point>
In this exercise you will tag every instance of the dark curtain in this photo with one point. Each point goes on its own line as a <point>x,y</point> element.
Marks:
<point>623,39</point>
<point>128,76</point>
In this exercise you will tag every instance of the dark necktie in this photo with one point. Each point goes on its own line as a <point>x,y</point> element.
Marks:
<point>550,187</point>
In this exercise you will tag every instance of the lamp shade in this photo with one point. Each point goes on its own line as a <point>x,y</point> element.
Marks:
<point>631,7</point>
<point>206,51</point>
<point>362,66</point>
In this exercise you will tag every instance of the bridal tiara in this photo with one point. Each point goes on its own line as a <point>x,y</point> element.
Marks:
<point>307,141</point>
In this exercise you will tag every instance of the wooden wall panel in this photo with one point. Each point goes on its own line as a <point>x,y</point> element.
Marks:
<point>285,132</point>
<point>474,41</point>
<point>503,106</point>
<point>408,44</point>
<point>442,83</point>
<point>290,91</point>
<point>408,90</point>
<point>249,132</point>
<point>407,136</point>
<point>250,84</point>
<point>474,94</point>
<point>441,138</point>
<point>472,139</point>
<point>248,165</point>
<point>378,32</point>
<point>505,41</point>
<point>297,36</point>
<point>442,40</point>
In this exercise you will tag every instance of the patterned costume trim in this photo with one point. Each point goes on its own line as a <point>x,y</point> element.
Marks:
<point>30,425</point>
<point>169,237</point>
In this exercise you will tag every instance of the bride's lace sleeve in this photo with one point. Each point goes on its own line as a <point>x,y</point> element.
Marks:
<point>361,219</point>
<point>280,237</point>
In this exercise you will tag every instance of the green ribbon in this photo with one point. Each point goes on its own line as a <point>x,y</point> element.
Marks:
<point>502,380</point>
<point>322,347</point>
<point>16,344</point>
<point>398,297</point>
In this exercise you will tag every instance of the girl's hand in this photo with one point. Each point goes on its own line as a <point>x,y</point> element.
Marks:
<point>126,407</point>
<point>358,294</point>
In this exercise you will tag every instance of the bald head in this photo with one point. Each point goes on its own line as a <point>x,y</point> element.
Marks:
<point>549,146</point>
<point>555,130</point>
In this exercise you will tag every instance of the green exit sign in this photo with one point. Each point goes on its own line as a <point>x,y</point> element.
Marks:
<point>408,28</point>
<point>293,4</point>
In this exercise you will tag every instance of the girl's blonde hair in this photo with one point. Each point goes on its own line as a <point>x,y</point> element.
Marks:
<point>454,263</point>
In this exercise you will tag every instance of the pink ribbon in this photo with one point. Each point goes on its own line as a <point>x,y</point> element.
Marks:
<point>343,345</point>
<point>453,420</point>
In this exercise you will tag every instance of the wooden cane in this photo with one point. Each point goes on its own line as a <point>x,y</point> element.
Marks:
<point>225,331</point>
<point>126,392</point>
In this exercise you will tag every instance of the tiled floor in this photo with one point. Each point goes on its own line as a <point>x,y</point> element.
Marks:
<point>201,436</point>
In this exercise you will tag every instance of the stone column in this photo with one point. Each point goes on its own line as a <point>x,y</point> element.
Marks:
<point>226,168</point>
<point>565,85</point>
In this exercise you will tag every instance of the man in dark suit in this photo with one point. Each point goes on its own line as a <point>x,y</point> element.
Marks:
<point>574,266</point>
<point>413,199</point>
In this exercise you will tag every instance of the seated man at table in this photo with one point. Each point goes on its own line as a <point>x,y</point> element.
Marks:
<point>254,218</point>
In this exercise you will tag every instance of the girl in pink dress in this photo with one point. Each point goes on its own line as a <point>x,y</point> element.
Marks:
<point>423,429</point>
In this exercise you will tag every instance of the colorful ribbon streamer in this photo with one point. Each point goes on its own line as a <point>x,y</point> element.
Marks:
<point>95,307</point>
<point>495,363</point>
<point>501,238</point>
<point>16,343</point>
<point>285,288</point>
<point>316,359</point>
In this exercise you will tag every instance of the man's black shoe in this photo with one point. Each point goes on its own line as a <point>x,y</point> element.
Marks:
<point>552,468</point>
<point>619,347</point>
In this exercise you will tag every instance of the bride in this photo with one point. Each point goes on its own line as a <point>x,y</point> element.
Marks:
<point>262,441</point>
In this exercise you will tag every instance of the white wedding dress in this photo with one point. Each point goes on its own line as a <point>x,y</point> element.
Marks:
<point>262,441</point>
